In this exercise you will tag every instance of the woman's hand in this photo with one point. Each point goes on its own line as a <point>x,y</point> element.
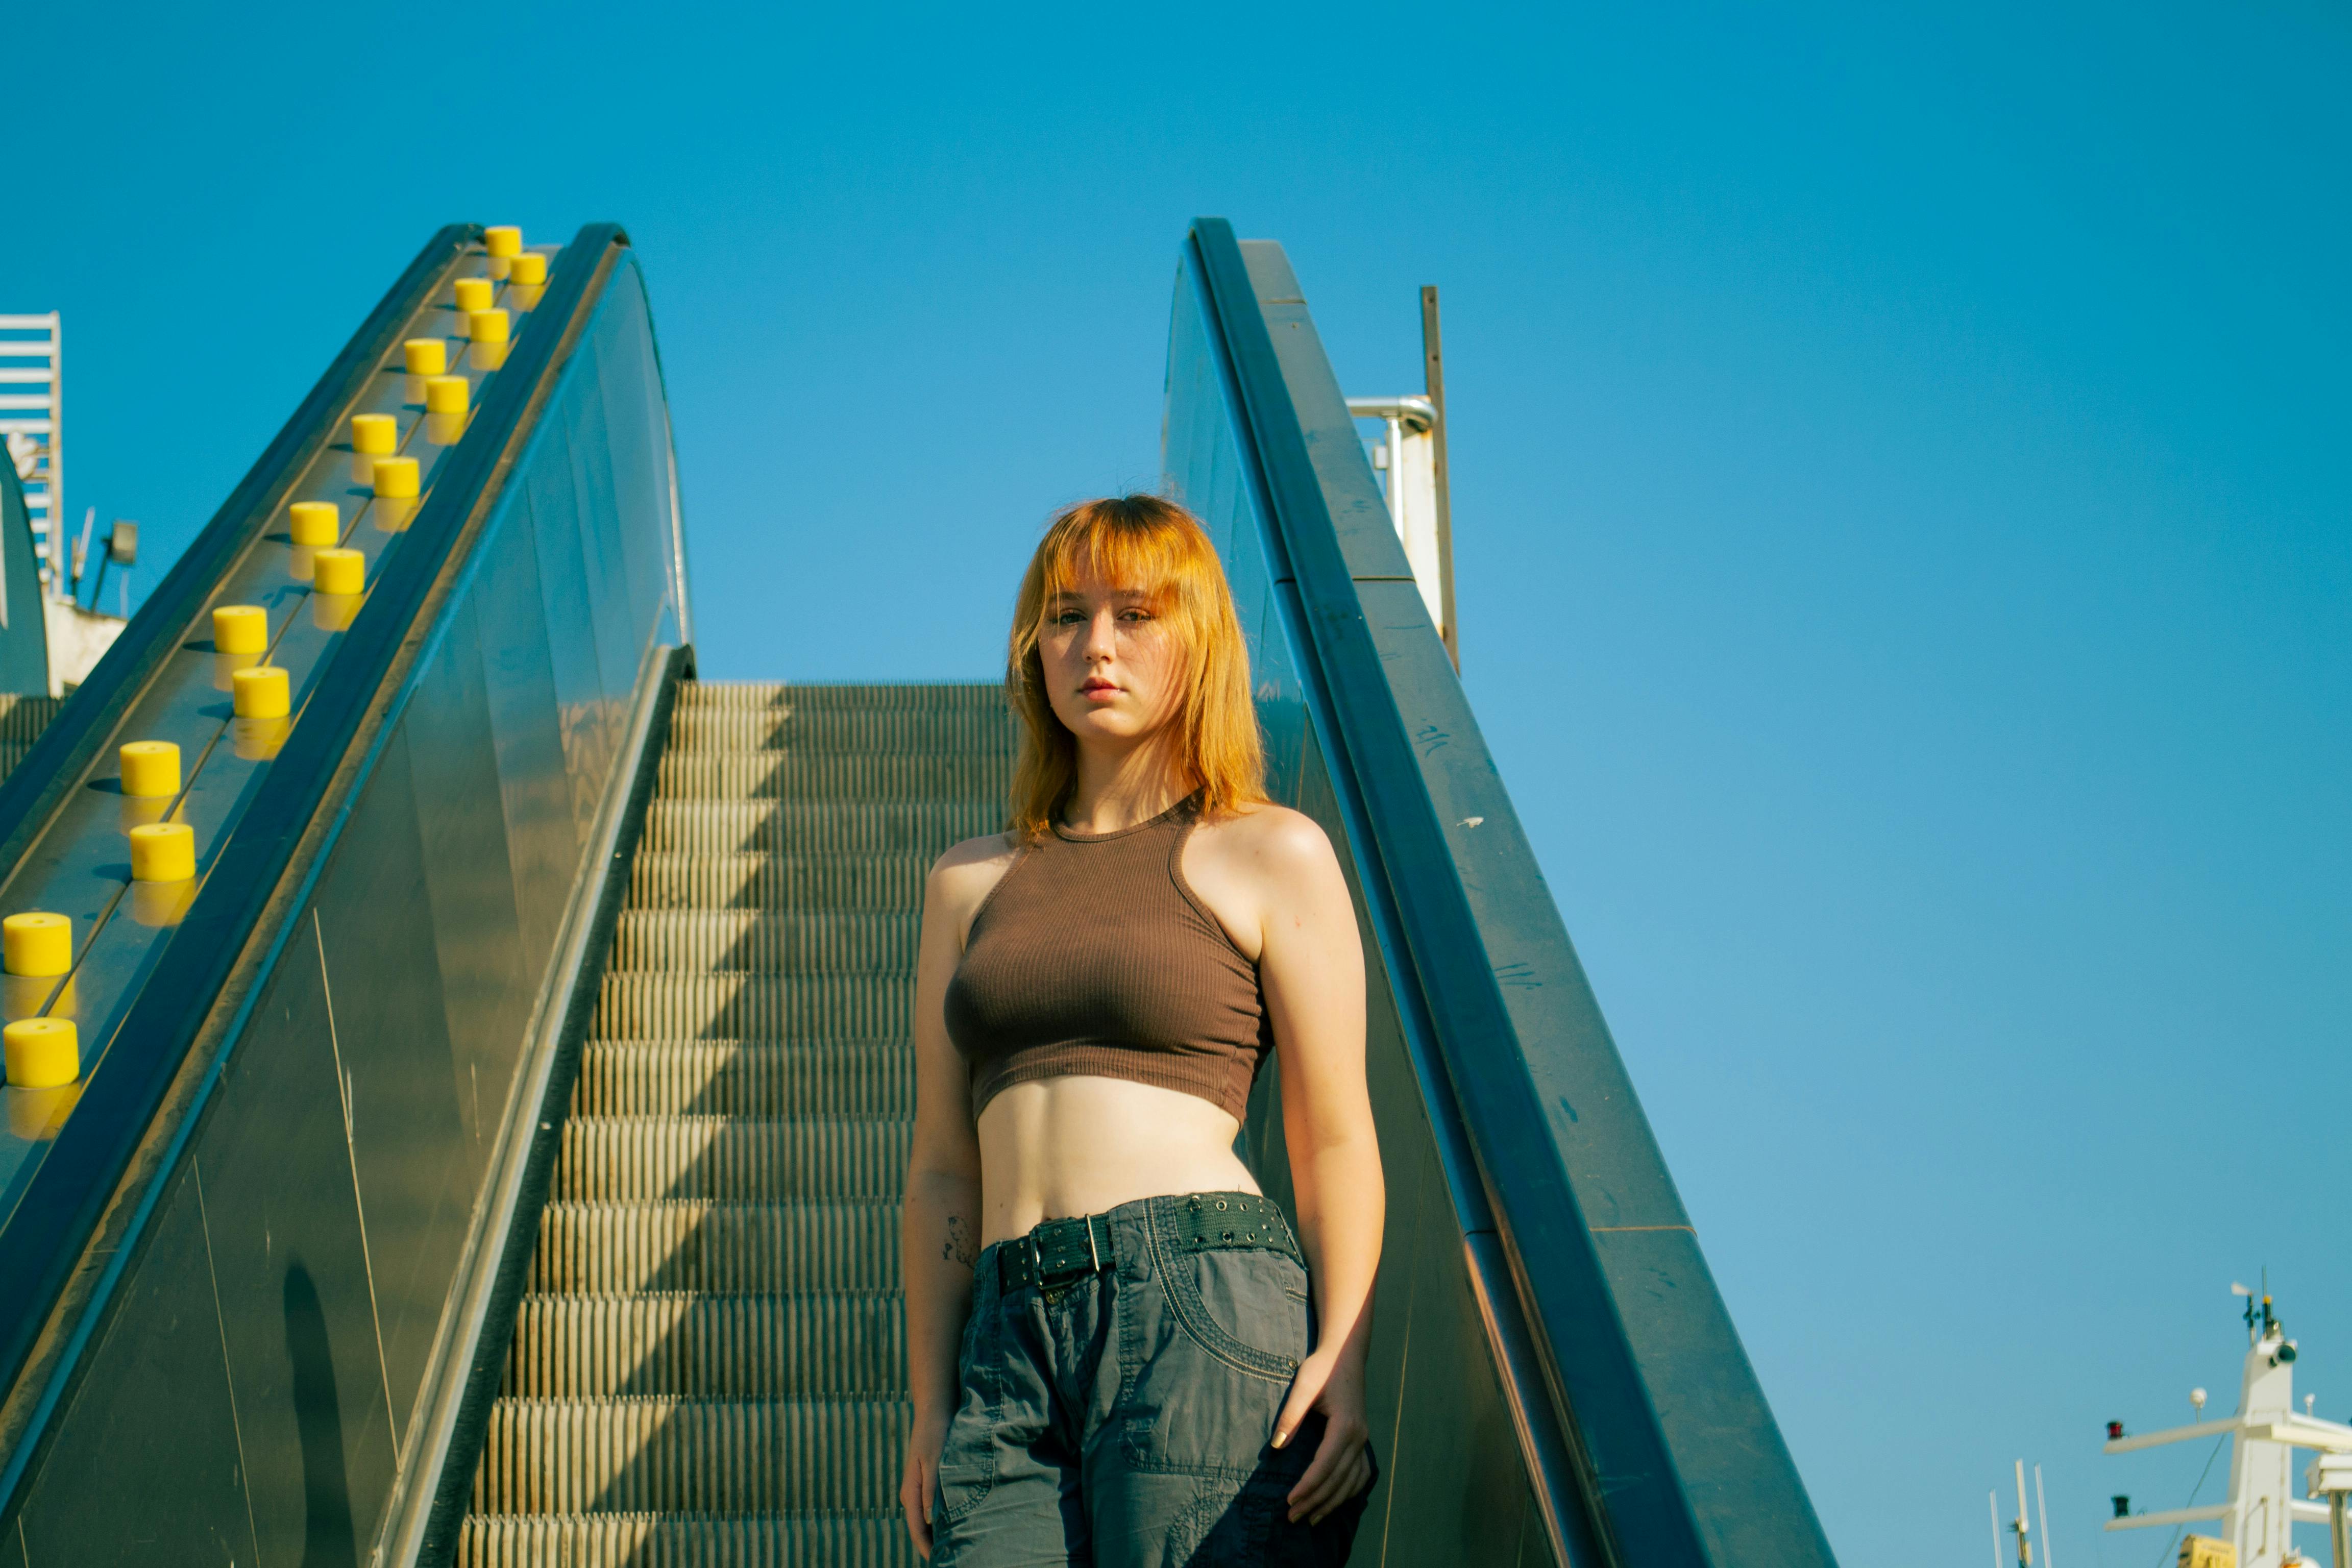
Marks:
<point>920,1483</point>
<point>1329,1383</point>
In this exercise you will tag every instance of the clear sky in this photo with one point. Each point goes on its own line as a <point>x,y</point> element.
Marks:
<point>1902,512</point>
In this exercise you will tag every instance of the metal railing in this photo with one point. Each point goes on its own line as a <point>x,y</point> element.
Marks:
<point>268,1210</point>
<point>1526,1178</point>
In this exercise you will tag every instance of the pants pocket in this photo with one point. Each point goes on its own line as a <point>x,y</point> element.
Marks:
<point>1209,1343</point>
<point>968,1457</point>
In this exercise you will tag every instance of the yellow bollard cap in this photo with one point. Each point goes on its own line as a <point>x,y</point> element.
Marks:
<point>375,434</point>
<point>240,628</point>
<point>338,571</point>
<point>446,394</point>
<point>42,1053</point>
<point>487,326</point>
<point>395,476</point>
<point>425,356</point>
<point>162,852</point>
<point>259,692</point>
<point>149,768</point>
<point>316,521</point>
<point>473,294</point>
<point>504,239</point>
<point>36,944</point>
<point>528,270</point>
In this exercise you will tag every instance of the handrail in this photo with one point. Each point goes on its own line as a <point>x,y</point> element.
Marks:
<point>30,795</point>
<point>1719,1487</point>
<point>189,995</point>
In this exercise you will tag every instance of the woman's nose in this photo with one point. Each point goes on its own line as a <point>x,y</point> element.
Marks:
<point>1102,637</point>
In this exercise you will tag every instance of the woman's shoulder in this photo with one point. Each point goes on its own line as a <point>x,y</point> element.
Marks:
<point>963,875</point>
<point>1272,838</point>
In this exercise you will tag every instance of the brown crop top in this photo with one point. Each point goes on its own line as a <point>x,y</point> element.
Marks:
<point>1092,955</point>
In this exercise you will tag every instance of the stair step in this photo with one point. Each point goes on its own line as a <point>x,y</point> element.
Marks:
<point>823,696</point>
<point>670,881</point>
<point>753,941</point>
<point>708,1347</point>
<point>686,1243</point>
<point>730,1157</point>
<point>695,1455</point>
<point>876,1540</point>
<point>655,1005</point>
<point>846,828</point>
<point>797,774</point>
<point>730,1078</point>
<point>969,734</point>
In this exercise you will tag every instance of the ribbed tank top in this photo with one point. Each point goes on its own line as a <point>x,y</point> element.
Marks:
<point>1092,955</point>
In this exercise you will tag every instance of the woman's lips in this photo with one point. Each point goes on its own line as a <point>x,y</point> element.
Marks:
<point>1098,689</point>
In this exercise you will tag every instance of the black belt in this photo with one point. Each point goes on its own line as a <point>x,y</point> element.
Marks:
<point>1061,1250</point>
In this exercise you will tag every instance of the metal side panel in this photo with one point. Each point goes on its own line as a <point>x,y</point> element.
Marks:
<point>1641,1431</point>
<point>308,1216</point>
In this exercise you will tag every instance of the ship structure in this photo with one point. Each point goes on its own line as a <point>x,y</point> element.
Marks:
<point>2253,1526</point>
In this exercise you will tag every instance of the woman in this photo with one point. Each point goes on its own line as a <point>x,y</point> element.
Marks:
<point>1114,1354</point>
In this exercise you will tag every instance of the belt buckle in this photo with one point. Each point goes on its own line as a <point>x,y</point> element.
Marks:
<point>1056,1255</point>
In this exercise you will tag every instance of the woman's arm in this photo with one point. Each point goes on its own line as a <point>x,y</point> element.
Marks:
<point>1311,965</point>
<point>939,1229</point>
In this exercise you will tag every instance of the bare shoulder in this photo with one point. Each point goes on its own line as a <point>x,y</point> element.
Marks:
<point>962,876</point>
<point>1272,841</point>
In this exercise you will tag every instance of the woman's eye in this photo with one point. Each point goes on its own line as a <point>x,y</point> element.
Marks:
<point>1135,615</point>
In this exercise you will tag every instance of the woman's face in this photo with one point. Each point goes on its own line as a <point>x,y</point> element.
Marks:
<point>1113,668</point>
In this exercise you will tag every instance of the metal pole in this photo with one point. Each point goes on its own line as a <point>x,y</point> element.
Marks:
<point>2041,1507</point>
<point>1433,369</point>
<point>2337,1537</point>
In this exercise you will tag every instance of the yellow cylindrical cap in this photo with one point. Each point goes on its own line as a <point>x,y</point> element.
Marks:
<point>316,521</point>
<point>503,239</point>
<point>42,1053</point>
<point>375,434</point>
<point>474,294</point>
<point>425,356</point>
<point>162,852</point>
<point>528,270</point>
<point>487,326</point>
<point>150,767</point>
<point>36,944</point>
<point>395,476</point>
<point>240,628</point>
<point>259,692</point>
<point>446,394</point>
<point>339,570</point>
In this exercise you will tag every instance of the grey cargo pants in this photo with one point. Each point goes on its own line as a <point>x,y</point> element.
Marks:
<point>1123,1417</point>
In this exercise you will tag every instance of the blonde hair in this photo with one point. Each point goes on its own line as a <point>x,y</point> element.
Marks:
<point>1136,542</point>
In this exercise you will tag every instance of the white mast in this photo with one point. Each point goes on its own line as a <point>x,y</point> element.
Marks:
<point>32,422</point>
<point>2258,1518</point>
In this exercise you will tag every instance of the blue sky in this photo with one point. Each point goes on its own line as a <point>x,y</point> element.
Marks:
<point>1901,505</point>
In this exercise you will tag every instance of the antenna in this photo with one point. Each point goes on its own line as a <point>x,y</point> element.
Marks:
<point>2041,1507</point>
<point>2024,1529</point>
<point>2196,1400</point>
<point>1992,1511</point>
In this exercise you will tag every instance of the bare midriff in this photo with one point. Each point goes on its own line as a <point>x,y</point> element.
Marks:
<point>1053,1148</point>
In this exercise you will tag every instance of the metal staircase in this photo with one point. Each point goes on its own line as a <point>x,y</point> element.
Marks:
<point>710,1364</point>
